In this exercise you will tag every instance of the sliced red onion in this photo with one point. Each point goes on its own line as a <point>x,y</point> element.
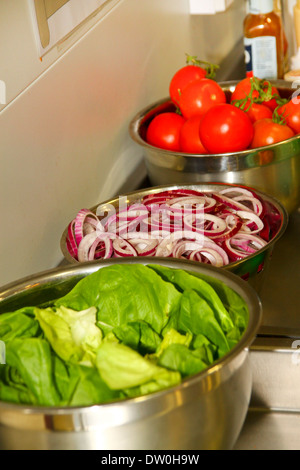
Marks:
<point>122,248</point>
<point>104,252</point>
<point>231,203</point>
<point>166,224</point>
<point>170,194</point>
<point>242,245</point>
<point>192,203</point>
<point>233,226</point>
<point>236,191</point>
<point>215,254</point>
<point>90,242</point>
<point>132,212</point>
<point>213,257</point>
<point>85,245</point>
<point>257,206</point>
<point>208,227</point>
<point>79,222</point>
<point>252,219</point>
<point>130,226</point>
<point>144,247</point>
<point>73,251</point>
<point>198,224</point>
<point>184,246</point>
<point>71,240</point>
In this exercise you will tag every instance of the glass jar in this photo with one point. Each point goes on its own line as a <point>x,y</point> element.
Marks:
<point>264,41</point>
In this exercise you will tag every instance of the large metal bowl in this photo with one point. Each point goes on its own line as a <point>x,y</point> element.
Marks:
<point>253,268</point>
<point>206,411</point>
<point>274,169</point>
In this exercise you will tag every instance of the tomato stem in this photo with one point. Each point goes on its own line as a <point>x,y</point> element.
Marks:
<point>209,67</point>
<point>279,118</point>
<point>265,93</point>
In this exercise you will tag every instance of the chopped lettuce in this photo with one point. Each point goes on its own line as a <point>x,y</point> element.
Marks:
<point>121,332</point>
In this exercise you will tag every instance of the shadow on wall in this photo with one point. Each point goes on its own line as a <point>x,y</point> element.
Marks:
<point>221,32</point>
<point>232,67</point>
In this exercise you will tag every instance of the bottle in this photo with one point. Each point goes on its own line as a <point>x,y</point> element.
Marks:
<point>294,73</point>
<point>264,41</point>
<point>297,22</point>
<point>278,9</point>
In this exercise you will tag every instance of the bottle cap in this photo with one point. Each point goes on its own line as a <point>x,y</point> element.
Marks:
<point>257,7</point>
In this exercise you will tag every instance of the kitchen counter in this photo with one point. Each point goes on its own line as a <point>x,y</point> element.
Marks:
<point>280,292</point>
<point>273,420</point>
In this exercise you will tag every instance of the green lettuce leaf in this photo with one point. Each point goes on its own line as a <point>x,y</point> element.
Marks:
<point>179,357</point>
<point>197,317</point>
<point>71,384</point>
<point>123,294</point>
<point>184,280</point>
<point>12,387</point>
<point>32,360</point>
<point>80,385</point>
<point>174,337</point>
<point>209,350</point>
<point>234,303</point>
<point>139,336</point>
<point>18,324</point>
<point>72,334</point>
<point>123,368</point>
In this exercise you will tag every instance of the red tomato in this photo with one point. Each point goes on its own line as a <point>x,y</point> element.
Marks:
<point>182,78</point>
<point>226,128</point>
<point>259,111</point>
<point>199,96</point>
<point>291,113</point>
<point>243,90</point>
<point>268,132</point>
<point>189,136</point>
<point>164,131</point>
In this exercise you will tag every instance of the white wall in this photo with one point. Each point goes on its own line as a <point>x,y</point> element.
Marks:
<point>64,140</point>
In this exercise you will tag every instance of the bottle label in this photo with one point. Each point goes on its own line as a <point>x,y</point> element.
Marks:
<point>261,57</point>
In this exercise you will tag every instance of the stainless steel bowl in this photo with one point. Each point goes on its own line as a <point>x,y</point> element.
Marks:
<point>252,268</point>
<point>274,170</point>
<point>206,411</point>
